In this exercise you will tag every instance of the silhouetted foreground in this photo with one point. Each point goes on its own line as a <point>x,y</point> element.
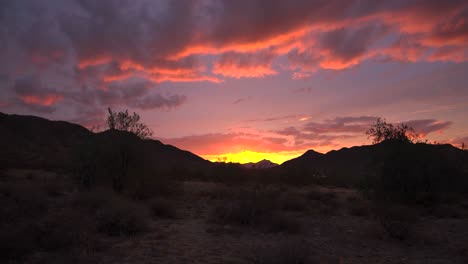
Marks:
<point>68,195</point>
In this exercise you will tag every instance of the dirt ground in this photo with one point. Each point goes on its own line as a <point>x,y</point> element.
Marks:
<point>334,225</point>
<point>330,238</point>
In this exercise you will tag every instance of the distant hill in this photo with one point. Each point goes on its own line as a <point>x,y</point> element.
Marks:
<point>263,164</point>
<point>351,165</point>
<point>34,142</point>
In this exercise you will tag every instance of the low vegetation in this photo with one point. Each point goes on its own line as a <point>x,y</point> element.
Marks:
<point>285,252</point>
<point>258,209</point>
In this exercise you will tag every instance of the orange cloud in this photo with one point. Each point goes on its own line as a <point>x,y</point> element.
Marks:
<point>183,78</point>
<point>283,43</point>
<point>239,65</point>
<point>237,71</point>
<point>44,100</point>
<point>332,42</point>
<point>98,60</point>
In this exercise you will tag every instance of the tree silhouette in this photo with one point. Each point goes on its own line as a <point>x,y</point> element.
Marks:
<point>383,131</point>
<point>126,122</point>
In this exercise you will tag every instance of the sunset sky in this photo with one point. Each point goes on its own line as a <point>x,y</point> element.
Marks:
<point>241,80</point>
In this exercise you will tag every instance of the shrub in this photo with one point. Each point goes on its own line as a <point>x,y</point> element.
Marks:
<point>357,209</point>
<point>293,202</point>
<point>281,223</point>
<point>288,252</point>
<point>56,188</point>
<point>61,230</point>
<point>21,201</point>
<point>113,214</point>
<point>122,217</point>
<point>397,220</point>
<point>17,241</point>
<point>317,195</point>
<point>163,208</point>
<point>447,211</point>
<point>383,131</point>
<point>256,209</point>
<point>149,186</point>
<point>358,206</point>
<point>91,202</point>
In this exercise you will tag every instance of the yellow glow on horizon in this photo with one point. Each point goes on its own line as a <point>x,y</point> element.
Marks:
<point>251,156</point>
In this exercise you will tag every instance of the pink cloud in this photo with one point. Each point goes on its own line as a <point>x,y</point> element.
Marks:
<point>245,65</point>
<point>44,100</point>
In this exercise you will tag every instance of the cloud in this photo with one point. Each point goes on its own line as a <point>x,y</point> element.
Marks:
<point>346,47</point>
<point>138,95</point>
<point>333,131</point>
<point>91,118</point>
<point>303,90</point>
<point>322,136</point>
<point>245,65</point>
<point>80,48</point>
<point>31,94</point>
<point>340,125</point>
<point>427,126</point>
<point>158,101</point>
<point>459,141</point>
<point>240,100</point>
<point>275,118</point>
<point>162,40</point>
<point>276,140</point>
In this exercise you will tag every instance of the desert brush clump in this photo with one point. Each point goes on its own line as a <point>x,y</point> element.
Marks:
<point>287,252</point>
<point>259,209</point>
<point>113,214</point>
<point>162,208</point>
<point>398,221</point>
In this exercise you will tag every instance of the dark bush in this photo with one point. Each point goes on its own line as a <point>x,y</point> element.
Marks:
<point>163,208</point>
<point>21,201</point>
<point>259,209</point>
<point>62,230</point>
<point>323,196</point>
<point>122,217</point>
<point>113,214</point>
<point>148,186</point>
<point>287,252</point>
<point>18,241</point>
<point>359,209</point>
<point>90,202</point>
<point>397,220</point>
<point>358,206</point>
<point>293,202</point>
<point>281,223</point>
<point>447,211</point>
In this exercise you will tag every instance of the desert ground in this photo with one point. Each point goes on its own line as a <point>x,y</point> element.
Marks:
<point>46,219</point>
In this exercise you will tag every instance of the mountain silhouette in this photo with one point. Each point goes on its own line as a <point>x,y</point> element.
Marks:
<point>351,165</point>
<point>263,164</point>
<point>34,142</point>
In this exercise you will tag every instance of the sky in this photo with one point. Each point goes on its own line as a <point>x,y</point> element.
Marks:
<point>241,80</point>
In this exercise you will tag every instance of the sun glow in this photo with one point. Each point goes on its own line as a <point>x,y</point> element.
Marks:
<point>251,156</point>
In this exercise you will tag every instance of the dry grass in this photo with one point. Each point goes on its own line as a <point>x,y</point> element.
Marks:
<point>258,209</point>
<point>293,202</point>
<point>397,220</point>
<point>322,196</point>
<point>287,252</point>
<point>114,215</point>
<point>357,206</point>
<point>163,208</point>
